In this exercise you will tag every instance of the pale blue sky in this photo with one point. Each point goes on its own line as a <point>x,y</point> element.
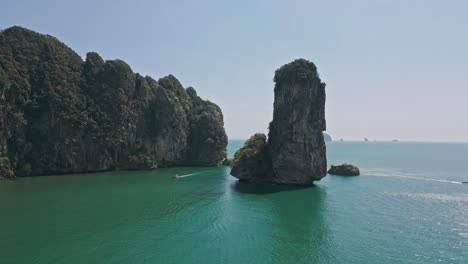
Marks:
<point>394,69</point>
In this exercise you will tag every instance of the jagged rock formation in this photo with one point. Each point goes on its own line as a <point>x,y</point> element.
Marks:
<point>344,170</point>
<point>295,149</point>
<point>60,114</point>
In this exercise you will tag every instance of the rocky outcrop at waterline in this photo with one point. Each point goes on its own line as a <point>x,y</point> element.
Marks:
<point>253,162</point>
<point>344,170</point>
<point>60,114</point>
<point>295,149</point>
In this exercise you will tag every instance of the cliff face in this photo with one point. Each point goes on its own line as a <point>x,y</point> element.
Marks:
<point>60,114</point>
<point>296,146</point>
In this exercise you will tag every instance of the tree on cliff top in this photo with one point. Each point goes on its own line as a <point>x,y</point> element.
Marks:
<point>298,70</point>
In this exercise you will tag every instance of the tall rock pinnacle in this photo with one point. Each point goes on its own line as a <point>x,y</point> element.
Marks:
<point>296,147</point>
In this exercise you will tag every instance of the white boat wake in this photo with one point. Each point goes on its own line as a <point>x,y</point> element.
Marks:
<point>186,175</point>
<point>409,177</point>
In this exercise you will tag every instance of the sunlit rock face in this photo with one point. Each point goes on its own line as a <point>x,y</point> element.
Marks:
<point>296,148</point>
<point>60,114</point>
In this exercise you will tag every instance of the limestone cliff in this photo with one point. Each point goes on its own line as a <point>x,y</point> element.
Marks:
<point>296,146</point>
<point>60,114</point>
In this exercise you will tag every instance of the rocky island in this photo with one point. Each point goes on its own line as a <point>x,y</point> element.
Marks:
<point>295,152</point>
<point>344,170</point>
<point>60,114</point>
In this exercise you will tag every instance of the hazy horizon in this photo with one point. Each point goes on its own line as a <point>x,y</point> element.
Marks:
<point>394,70</point>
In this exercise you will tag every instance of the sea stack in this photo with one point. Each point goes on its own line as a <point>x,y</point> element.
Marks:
<point>295,149</point>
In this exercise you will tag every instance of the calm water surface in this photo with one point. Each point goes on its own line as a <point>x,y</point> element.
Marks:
<point>408,206</point>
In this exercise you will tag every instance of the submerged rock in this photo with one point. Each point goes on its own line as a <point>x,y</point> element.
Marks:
<point>296,148</point>
<point>344,170</point>
<point>60,114</point>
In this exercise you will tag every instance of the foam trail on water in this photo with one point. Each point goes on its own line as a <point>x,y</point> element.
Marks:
<point>410,177</point>
<point>188,175</point>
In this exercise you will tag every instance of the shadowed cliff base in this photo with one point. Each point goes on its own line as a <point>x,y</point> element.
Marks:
<point>295,152</point>
<point>60,114</point>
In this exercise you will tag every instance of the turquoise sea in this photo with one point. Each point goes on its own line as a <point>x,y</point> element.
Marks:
<point>408,206</point>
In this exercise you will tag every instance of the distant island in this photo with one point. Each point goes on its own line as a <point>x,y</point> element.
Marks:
<point>327,137</point>
<point>60,114</point>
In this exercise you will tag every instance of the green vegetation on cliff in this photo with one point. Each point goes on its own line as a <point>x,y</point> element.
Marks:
<point>298,70</point>
<point>60,114</point>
